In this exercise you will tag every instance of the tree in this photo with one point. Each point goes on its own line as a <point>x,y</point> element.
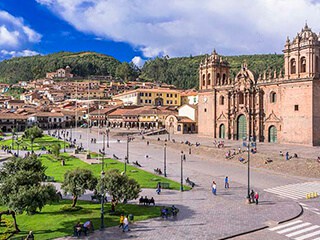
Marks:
<point>77,182</point>
<point>56,150</point>
<point>123,71</point>
<point>119,186</point>
<point>21,189</point>
<point>32,134</point>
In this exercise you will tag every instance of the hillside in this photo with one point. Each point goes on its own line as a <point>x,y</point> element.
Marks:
<point>183,72</point>
<point>82,64</point>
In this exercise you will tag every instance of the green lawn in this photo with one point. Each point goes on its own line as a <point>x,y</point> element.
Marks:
<point>45,141</point>
<point>144,178</point>
<point>52,222</point>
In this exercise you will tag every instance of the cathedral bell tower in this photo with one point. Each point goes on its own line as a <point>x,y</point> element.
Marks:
<point>301,56</point>
<point>213,71</point>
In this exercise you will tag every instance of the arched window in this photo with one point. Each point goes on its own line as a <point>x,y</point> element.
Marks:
<point>241,98</point>
<point>221,100</point>
<point>317,64</point>
<point>224,78</point>
<point>203,80</point>
<point>293,66</point>
<point>303,64</point>
<point>209,79</point>
<point>179,128</point>
<point>273,97</point>
<point>218,78</point>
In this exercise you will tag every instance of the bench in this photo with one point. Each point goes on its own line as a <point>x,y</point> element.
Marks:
<point>49,179</point>
<point>165,185</point>
<point>136,164</point>
<point>169,212</point>
<point>158,171</point>
<point>189,182</point>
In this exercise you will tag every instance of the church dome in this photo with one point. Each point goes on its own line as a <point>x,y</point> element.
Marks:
<point>306,33</point>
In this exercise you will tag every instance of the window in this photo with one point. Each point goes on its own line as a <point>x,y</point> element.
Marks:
<point>273,97</point>
<point>221,100</point>
<point>167,95</point>
<point>149,94</point>
<point>303,64</point>
<point>175,95</point>
<point>218,78</point>
<point>296,107</point>
<point>293,66</point>
<point>149,101</point>
<point>167,102</point>
<point>171,95</point>
<point>224,78</point>
<point>146,101</point>
<point>179,128</point>
<point>141,101</point>
<point>205,110</point>
<point>241,98</point>
<point>203,80</point>
<point>175,102</point>
<point>209,79</point>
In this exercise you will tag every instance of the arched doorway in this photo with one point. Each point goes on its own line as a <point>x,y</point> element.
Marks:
<point>272,138</point>
<point>242,127</point>
<point>222,131</point>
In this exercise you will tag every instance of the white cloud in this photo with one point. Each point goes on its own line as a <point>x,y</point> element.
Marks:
<point>138,61</point>
<point>175,27</point>
<point>14,32</point>
<point>23,53</point>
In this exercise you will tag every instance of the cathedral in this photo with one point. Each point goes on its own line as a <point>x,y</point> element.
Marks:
<point>274,107</point>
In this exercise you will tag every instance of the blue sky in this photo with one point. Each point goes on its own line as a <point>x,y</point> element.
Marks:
<point>142,29</point>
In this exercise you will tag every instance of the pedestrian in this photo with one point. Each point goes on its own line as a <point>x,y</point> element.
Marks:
<point>226,182</point>
<point>147,143</point>
<point>239,149</point>
<point>252,196</point>
<point>125,224</point>
<point>121,221</point>
<point>158,188</point>
<point>287,155</point>
<point>256,197</point>
<point>214,188</point>
<point>80,136</point>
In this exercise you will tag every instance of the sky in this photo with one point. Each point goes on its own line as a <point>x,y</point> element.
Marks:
<point>137,30</point>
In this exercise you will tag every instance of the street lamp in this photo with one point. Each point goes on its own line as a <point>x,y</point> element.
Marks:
<point>165,159</point>
<point>126,159</point>
<point>18,144</point>
<point>183,157</point>
<point>64,142</point>
<point>108,131</point>
<point>250,141</point>
<point>102,195</point>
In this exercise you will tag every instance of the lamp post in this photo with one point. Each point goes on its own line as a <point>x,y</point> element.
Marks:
<point>165,160</point>
<point>102,194</point>
<point>64,142</point>
<point>18,144</point>
<point>126,159</point>
<point>183,156</point>
<point>108,131</point>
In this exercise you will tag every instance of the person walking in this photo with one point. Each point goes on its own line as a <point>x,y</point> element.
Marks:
<point>125,224</point>
<point>214,188</point>
<point>158,190</point>
<point>256,197</point>
<point>252,196</point>
<point>226,182</point>
<point>121,221</point>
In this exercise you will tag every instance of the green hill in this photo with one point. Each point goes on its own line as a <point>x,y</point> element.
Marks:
<point>82,64</point>
<point>183,72</point>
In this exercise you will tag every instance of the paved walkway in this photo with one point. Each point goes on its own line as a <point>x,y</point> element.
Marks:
<point>202,215</point>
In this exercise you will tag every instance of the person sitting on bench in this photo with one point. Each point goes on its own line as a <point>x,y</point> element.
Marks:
<point>88,226</point>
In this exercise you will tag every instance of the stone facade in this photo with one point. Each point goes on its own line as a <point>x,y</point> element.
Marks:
<point>273,107</point>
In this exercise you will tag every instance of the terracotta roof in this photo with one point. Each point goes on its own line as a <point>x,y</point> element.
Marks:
<point>185,120</point>
<point>48,114</point>
<point>12,116</point>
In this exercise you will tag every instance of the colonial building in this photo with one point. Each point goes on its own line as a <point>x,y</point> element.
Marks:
<point>273,107</point>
